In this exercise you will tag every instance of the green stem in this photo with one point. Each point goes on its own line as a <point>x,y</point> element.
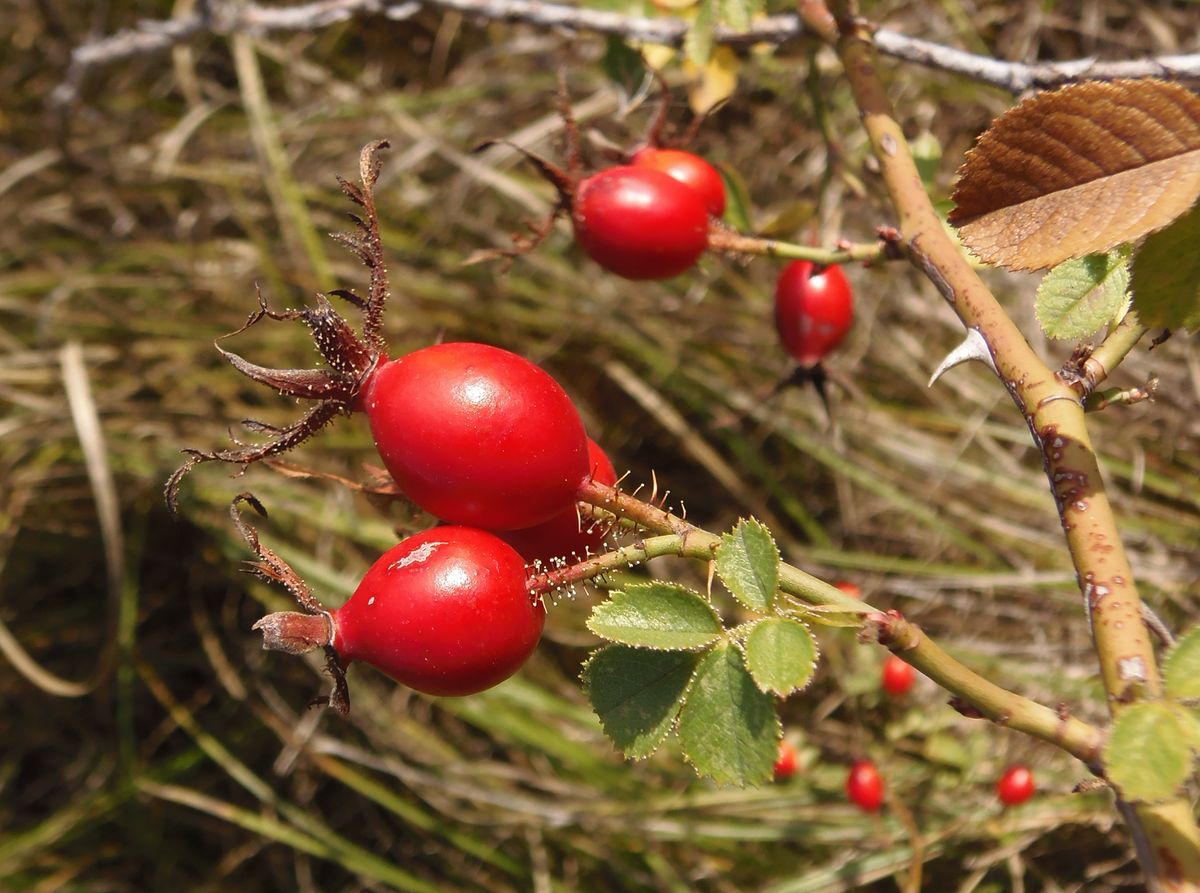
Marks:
<point>1112,350</point>
<point>677,536</point>
<point>721,238</point>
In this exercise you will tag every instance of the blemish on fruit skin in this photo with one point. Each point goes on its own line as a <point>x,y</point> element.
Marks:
<point>371,600</point>
<point>419,555</point>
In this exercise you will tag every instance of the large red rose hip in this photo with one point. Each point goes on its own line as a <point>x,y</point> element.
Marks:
<point>689,169</point>
<point>477,435</point>
<point>639,222</point>
<point>445,612</point>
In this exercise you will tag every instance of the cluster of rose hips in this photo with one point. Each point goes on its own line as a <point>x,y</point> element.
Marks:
<point>478,437</point>
<point>484,440</point>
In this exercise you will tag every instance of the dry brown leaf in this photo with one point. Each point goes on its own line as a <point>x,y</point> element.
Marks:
<point>1078,171</point>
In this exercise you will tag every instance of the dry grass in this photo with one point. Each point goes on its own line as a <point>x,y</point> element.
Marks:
<point>150,743</point>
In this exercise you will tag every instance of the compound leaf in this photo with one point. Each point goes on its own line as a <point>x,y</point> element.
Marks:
<point>1082,295</point>
<point>728,728</point>
<point>748,564</point>
<point>663,616</point>
<point>1149,753</point>
<point>781,655</point>
<point>637,694</point>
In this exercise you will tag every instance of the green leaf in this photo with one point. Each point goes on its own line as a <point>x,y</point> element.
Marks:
<point>697,45</point>
<point>663,616</point>
<point>736,14</point>
<point>728,728</point>
<point>623,65</point>
<point>737,200</point>
<point>1082,295</point>
<point>781,655</point>
<point>748,564</point>
<point>1166,275</point>
<point>1149,752</point>
<point>1181,668</point>
<point>637,694</point>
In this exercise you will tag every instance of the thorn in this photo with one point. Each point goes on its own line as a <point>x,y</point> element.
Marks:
<point>973,347</point>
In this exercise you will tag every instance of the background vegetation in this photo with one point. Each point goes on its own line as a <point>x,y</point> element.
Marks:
<point>139,220</point>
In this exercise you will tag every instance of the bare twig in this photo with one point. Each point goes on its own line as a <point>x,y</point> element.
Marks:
<point>226,17</point>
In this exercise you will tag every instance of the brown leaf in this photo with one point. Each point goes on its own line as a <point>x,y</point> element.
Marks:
<point>1078,171</point>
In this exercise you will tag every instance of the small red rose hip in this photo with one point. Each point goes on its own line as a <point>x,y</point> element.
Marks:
<point>898,677</point>
<point>477,435</point>
<point>639,223</point>
<point>567,535</point>
<point>814,309</point>
<point>445,612</point>
<point>689,169</point>
<point>1015,786</point>
<point>864,787</point>
<point>787,762</point>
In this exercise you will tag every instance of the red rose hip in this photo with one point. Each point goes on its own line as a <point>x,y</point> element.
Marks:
<point>864,786</point>
<point>814,309</point>
<point>689,169</point>
<point>639,223</point>
<point>1015,786</point>
<point>445,612</point>
<point>477,435</point>
<point>897,676</point>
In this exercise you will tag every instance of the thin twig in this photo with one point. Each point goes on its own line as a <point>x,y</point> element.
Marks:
<point>152,36</point>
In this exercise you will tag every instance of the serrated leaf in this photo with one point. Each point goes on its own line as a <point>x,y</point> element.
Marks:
<point>1149,752</point>
<point>1166,275</point>
<point>697,44</point>
<point>1181,667</point>
<point>663,616</point>
<point>748,564</point>
<point>737,200</point>
<point>637,694</point>
<point>728,728</point>
<point>1079,171</point>
<point>781,655</point>
<point>1082,295</point>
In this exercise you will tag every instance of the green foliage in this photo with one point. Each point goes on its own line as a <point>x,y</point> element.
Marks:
<point>1181,668</point>
<point>663,616</point>
<point>1166,275</point>
<point>1080,296</point>
<point>748,564</point>
<point>781,655</point>
<point>637,694</point>
<point>728,727</point>
<point>1150,751</point>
